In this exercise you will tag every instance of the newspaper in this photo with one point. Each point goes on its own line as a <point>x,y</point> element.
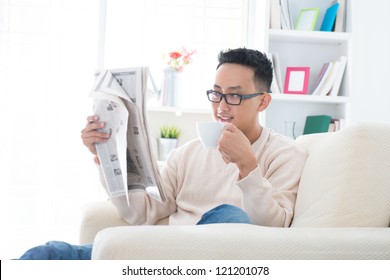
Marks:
<point>127,159</point>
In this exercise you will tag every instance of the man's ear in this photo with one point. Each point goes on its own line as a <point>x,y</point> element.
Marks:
<point>265,100</point>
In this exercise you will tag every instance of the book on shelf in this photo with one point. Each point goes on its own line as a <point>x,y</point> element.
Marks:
<point>336,124</point>
<point>329,18</point>
<point>286,19</point>
<point>317,124</point>
<point>327,81</point>
<point>275,15</point>
<point>321,76</point>
<point>339,76</point>
<point>330,77</point>
<point>275,88</point>
<point>339,25</point>
<point>278,71</point>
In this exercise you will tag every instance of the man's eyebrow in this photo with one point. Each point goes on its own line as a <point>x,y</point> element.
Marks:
<point>229,88</point>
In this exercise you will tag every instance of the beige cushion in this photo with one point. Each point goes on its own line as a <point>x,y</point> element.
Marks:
<point>346,179</point>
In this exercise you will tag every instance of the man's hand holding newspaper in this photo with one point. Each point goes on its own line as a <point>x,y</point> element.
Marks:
<point>127,159</point>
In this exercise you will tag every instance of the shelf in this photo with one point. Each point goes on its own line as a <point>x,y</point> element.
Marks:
<point>178,110</point>
<point>310,49</point>
<point>309,99</point>
<point>312,37</point>
<point>293,98</point>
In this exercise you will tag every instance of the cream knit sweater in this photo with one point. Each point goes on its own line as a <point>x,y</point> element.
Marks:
<point>196,180</point>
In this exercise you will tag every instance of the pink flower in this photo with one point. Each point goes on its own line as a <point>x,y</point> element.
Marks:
<point>179,59</point>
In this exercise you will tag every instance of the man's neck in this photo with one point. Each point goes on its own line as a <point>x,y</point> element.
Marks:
<point>255,134</point>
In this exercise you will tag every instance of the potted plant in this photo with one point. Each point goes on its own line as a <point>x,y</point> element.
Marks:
<point>168,141</point>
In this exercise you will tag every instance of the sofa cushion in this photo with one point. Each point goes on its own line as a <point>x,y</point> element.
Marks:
<point>346,179</point>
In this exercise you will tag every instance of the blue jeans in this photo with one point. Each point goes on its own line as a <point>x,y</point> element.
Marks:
<point>58,250</point>
<point>225,213</point>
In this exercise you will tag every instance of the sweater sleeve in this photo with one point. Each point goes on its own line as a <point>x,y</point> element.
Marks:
<point>142,209</point>
<point>269,191</point>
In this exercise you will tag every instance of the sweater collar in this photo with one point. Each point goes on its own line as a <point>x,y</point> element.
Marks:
<point>260,142</point>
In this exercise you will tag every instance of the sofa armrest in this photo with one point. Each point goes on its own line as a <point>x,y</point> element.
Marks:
<point>97,216</point>
<point>240,241</point>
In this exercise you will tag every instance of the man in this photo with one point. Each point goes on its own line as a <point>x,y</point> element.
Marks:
<point>252,177</point>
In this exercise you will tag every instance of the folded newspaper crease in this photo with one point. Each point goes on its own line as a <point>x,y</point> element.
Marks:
<point>127,159</point>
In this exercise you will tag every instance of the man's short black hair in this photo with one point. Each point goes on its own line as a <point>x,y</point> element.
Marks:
<point>257,60</point>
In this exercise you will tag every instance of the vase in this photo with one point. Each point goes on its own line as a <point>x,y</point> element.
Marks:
<point>289,127</point>
<point>165,146</point>
<point>170,89</point>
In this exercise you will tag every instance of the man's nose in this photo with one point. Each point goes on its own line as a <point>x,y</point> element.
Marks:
<point>223,106</point>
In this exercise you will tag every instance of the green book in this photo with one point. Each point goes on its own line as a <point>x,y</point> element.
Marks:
<point>317,124</point>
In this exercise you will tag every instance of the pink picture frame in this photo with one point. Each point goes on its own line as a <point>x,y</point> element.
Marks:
<point>297,80</point>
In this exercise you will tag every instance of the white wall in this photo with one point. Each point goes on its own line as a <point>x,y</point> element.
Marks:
<point>371,51</point>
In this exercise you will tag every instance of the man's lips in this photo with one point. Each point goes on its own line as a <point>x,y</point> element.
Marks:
<point>224,118</point>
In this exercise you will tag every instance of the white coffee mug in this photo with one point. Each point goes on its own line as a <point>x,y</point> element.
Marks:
<point>209,133</point>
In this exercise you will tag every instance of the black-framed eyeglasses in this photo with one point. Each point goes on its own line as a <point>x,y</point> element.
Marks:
<point>230,98</point>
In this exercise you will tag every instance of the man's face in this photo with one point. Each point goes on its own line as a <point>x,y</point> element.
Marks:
<point>235,78</point>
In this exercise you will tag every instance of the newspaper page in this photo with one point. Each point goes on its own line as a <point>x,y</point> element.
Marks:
<point>127,159</point>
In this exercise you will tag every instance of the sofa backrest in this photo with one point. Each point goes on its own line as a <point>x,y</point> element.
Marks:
<point>346,179</point>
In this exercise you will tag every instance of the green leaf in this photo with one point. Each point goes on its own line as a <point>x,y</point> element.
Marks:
<point>171,132</point>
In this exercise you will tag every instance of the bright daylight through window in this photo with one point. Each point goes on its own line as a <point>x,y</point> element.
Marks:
<point>141,32</point>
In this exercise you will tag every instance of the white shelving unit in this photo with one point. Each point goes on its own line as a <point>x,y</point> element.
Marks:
<point>313,49</point>
<point>294,48</point>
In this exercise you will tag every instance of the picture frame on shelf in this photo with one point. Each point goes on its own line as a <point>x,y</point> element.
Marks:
<point>297,80</point>
<point>307,19</point>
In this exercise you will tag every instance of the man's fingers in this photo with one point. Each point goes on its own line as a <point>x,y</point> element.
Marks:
<point>96,160</point>
<point>225,160</point>
<point>91,119</point>
<point>97,137</point>
<point>92,126</point>
<point>224,155</point>
<point>231,128</point>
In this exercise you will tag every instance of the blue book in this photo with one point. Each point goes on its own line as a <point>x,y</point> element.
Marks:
<point>329,18</point>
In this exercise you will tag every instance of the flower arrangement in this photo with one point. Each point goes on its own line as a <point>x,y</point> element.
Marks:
<point>177,60</point>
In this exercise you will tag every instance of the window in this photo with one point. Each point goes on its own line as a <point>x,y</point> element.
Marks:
<point>48,55</point>
<point>140,32</point>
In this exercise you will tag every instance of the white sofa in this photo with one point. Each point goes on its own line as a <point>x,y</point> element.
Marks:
<point>342,212</point>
